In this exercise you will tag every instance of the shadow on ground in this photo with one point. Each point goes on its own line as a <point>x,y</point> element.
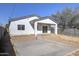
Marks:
<point>6,47</point>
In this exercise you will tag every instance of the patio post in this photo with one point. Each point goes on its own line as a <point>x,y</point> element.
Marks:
<point>56,30</point>
<point>35,28</point>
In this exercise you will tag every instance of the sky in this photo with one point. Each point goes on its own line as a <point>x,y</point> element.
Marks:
<point>8,10</point>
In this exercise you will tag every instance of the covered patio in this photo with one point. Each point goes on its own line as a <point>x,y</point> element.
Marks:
<point>45,26</point>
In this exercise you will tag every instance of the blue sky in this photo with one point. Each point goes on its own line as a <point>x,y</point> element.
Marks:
<point>42,9</point>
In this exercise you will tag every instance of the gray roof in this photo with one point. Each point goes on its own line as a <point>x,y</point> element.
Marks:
<point>20,18</point>
<point>42,18</point>
<point>32,22</point>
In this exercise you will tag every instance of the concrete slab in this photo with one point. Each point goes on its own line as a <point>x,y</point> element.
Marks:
<point>42,48</point>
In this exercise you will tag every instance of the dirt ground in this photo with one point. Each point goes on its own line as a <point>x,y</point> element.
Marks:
<point>73,53</point>
<point>62,38</point>
<point>22,38</point>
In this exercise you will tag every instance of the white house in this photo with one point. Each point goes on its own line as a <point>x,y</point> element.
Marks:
<point>32,24</point>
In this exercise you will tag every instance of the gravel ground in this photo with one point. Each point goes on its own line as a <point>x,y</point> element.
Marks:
<point>42,48</point>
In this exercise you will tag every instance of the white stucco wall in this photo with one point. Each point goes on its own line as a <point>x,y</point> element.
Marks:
<point>28,28</point>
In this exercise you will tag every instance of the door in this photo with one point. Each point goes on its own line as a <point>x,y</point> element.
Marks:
<point>45,29</point>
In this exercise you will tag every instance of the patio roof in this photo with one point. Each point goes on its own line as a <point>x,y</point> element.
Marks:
<point>46,21</point>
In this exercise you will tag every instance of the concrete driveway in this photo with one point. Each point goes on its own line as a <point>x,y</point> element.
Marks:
<point>42,48</point>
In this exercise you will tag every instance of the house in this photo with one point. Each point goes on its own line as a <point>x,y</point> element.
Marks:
<point>33,24</point>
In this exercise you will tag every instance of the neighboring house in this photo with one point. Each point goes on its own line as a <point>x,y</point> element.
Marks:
<point>33,24</point>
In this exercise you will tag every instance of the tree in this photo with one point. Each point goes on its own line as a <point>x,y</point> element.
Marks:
<point>64,17</point>
<point>75,21</point>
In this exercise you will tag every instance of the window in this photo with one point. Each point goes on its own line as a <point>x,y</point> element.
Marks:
<point>21,27</point>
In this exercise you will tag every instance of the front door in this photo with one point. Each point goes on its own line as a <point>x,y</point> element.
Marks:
<point>45,29</point>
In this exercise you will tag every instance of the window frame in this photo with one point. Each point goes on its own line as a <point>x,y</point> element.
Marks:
<point>20,27</point>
